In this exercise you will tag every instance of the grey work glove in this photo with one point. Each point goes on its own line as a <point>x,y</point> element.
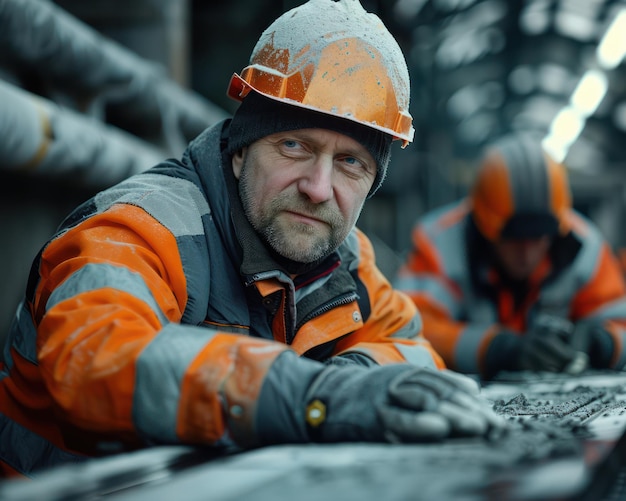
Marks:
<point>548,346</point>
<point>304,401</point>
<point>429,405</point>
<point>591,337</point>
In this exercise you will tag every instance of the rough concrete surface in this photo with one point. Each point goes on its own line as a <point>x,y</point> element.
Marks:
<point>563,443</point>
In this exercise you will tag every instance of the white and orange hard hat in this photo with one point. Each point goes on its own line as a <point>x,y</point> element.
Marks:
<point>335,58</point>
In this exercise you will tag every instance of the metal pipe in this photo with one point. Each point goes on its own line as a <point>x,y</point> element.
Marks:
<point>49,41</point>
<point>44,138</point>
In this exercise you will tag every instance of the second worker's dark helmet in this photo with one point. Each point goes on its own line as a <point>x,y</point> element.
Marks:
<point>520,191</point>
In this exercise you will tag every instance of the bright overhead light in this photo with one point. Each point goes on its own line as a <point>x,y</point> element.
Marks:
<point>612,47</point>
<point>589,92</point>
<point>567,124</point>
<point>555,147</point>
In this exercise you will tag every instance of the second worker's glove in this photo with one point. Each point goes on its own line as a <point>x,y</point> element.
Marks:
<point>548,346</point>
<point>591,337</point>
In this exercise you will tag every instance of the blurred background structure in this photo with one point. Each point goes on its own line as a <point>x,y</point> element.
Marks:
<point>91,92</point>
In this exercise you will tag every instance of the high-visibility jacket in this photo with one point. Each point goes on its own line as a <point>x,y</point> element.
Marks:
<point>464,301</point>
<point>156,305</point>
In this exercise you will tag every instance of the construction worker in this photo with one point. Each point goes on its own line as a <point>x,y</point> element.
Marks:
<point>228,299</point>
<point>512,278</point>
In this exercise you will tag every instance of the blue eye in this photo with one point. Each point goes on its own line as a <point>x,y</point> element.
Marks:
<point>353,162</point>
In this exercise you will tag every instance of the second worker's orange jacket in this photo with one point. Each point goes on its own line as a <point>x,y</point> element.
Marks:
<point>464,301</point>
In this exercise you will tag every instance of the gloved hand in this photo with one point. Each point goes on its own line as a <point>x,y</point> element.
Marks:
<point>591,337</point>
<point>429,405</point>
<point>304,401</point>
<point>547,347</point>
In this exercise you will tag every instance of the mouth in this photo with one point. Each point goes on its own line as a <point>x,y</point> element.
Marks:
<point>306,218</point>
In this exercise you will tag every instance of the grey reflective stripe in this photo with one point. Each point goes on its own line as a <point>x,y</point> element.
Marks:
<point>448,242</point>
<point>621,361</point>
<point>614,310</point>
<point>150,191</point>
<point>416,355</point>
<point>354,357</point>
<point>480,310</point>
<point>411,330</point>
<point>160,371</point>
<point>23,337</point>
<point>96,276</point>
<point>27,452</point>
<point>466,350</point>
<point>180,206</point>
<point>456,268</point>
<point>431,285</point>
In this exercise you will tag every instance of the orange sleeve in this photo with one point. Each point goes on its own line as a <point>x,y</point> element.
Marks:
<point>89,343</point>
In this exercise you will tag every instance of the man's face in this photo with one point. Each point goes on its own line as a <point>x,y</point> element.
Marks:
<point>303,190</point>
<point>520,257</point>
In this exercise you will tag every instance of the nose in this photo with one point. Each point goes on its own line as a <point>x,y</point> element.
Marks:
<point>316,180</point>
<point>528,249</point>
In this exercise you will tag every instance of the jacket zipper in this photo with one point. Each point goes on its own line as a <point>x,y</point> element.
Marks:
<point>340,301</point>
